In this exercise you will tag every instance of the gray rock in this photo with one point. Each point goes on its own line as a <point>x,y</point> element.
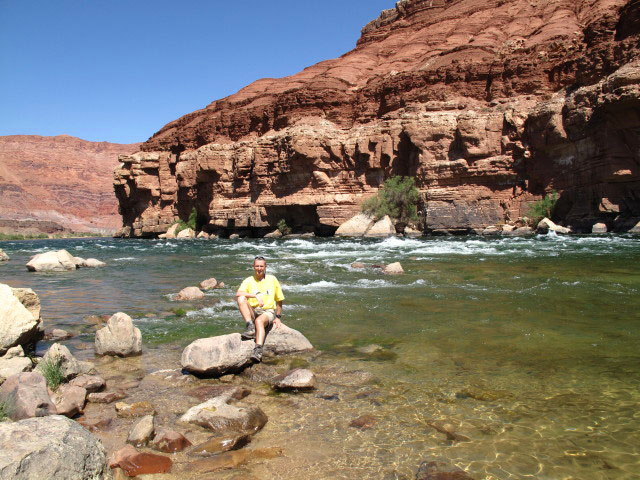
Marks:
<point>3,256</point>
<point>60,354</point>
<point>26,396</point>
<point>93,263</point>
<point>517,232</point>
<point>14,362</point>
<point>48,448</point>
<point>356,226</point>
<point>219,416</point>
<point>142,431</point>
<point>185,234</point>
<point>54,261</point>
<point>299,379</point>
<point>285,340</point>
<point>69,400</point>
<point>57,334</point>
<point>210,283</point>
<point>274,234</point>
<point>507,229</point>
<point>120,337</point>
<point>382,228</point>
<point>91,383</point>
<point>393,269</point>
<point>189,293</point>
<point>18,325</point>
<point>411,232</point>
<point>491,230</point>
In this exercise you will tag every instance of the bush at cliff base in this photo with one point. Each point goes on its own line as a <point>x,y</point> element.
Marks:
<point>398,198</point>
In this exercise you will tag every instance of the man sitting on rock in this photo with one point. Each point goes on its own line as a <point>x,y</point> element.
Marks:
<point>260,302</point>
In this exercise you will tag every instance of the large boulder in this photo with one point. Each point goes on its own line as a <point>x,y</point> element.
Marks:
<point>3,256</point>
<point>119,338</point>
<point>50,447</point>
<point>187,233</point>
<point>382,228</point>
<point>54,261</point>
<point>171,233</point>
<point>26,396</point>
<point>393,269</point>
<point>18,324</point>
<point>545,225</point>
<point>223,418</point>
<point>217,356</point>
<point>14,362</point>
<point>356,226</point>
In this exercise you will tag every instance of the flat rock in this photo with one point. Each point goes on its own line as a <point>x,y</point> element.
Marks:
<point>27,396</point>
<point>189,293</point>
<point>91,383</point>
<point>120,337</point>
<point>393,269</point>
<point>105,397</point>
<point>54,261</point>
<point>382,228</point>
<point>169,441</point>
<point>57,334</point>
<point>223,418</point>
<point>14,362</point>
<point>299,379</point>
<point>274,234</point>
<point>217,445</point>
<point>356,226</point>
<point>142,431</point>
<point>430,470</point>
<point>137,409</point>
<point>20,324</point>
<point>69,400</point>
<point>135,463</point>
<point>50,447</point>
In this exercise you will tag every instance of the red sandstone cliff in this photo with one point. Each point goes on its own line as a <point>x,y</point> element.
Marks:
<point>62,179</point>
<point>487,103</point>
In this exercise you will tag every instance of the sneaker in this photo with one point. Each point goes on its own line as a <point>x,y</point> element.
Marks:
<point>256,356</point>
<point>249,332</point>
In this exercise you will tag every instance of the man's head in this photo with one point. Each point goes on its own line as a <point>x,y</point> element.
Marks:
<point>259,266</point>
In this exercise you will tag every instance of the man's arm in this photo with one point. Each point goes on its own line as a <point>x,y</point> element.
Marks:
<point>240,293</point>
<point>277,322</point>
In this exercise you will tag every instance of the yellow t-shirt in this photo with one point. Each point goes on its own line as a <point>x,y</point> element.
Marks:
<point>268,288</point>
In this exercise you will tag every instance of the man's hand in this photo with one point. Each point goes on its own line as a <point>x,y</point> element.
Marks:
<point>277,322</point>
<point>260,302</point>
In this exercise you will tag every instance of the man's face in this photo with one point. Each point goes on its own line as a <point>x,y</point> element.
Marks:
<point>260,267</point>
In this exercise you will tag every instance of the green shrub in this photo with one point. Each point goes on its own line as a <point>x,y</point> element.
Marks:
<point>542,208</point>
<point>398,198</point>
<point>180,312</point>
<point>283,227</point>
<point>4,411</point>
<point>191,223</point>
<point>51,370</point>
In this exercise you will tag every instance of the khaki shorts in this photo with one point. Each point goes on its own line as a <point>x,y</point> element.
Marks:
<point>270,312</point>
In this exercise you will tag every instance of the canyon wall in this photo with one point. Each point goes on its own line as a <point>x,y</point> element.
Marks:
<point>487,104</point>
<point>52,184</point>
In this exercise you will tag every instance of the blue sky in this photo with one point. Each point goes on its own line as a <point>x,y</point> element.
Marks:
<point>118,70</point>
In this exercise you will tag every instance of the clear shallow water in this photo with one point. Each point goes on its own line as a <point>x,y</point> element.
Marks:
<point>529,348</point>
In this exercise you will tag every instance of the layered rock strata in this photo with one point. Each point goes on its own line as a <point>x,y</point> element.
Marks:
<point>487,104</point>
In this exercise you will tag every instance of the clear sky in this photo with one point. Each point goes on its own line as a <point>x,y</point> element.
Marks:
<point>118,70</point>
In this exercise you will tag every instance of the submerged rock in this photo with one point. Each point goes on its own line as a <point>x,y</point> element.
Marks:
<point>57,335</point>
<point>3,256</point>
<point>299,379</point>
<point>120,337</point>
<point>50,447</point>
<point>137,409</point>
<point>169,441</point>
<point>135,463</point>
<point>232,459</point>
<point>223,418</point>
<point>430,470</point>
<point>220,444</point>
<point>363,422</point>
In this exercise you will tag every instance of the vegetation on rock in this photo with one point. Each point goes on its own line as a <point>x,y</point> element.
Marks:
<point>190,223</point>
<point>51,370</point>
<point>542,208</point>
<point>283,227</point>
<point>4,411</point>
<point>398,198</point>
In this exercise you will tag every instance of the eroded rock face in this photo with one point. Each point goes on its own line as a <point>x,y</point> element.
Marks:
<point>467,97</point>
<point>120,337</point>
<point>50,447</point>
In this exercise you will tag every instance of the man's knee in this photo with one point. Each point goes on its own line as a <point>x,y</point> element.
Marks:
<point>263,320</point>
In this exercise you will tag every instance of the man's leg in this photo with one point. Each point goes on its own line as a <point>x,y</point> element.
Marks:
<point>261,323</point>
<point>247,314</point>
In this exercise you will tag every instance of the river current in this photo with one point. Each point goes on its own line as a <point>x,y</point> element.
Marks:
<point>527,350</point>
